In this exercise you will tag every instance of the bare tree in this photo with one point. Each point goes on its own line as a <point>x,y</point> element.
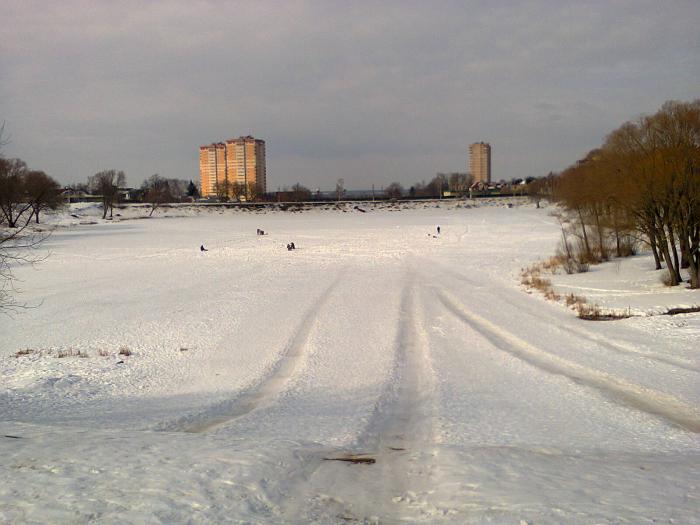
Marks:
<point>437,185</point>
<point>16,247</point>
<point>4,140</point>
<point>178,189</point>
<point>459,182</point>
<point>106,184</point>
<point>13,201</point>
<point>237,190</point>
<point>42,192</point>
<point>539,188</point>
<point>156,191</point>
<point>223,190</point>
<point>339,189</point>
<point>252,191</point>
<point>394,190</point>
<point>300,193</point>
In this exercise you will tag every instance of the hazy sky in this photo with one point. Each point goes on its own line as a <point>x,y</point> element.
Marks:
<point>369,91</point>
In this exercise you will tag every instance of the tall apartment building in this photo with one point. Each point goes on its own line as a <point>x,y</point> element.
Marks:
<point>239,162</point>
<point>212,167</point>
<point>245,162</point>
<point>480,161</point>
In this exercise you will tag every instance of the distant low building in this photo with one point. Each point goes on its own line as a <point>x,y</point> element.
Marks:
<point>72,195</point>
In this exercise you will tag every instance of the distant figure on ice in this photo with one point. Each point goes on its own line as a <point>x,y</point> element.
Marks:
<point>203,249</point>
<point>438,230</point>
<point>261,232</point>
<point>291,246</point>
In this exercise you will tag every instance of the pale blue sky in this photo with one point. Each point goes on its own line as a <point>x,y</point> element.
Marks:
<point>369,91</point>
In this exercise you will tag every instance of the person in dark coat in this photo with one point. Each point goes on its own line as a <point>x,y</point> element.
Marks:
<point>438,230</point>
<point>203,249</point>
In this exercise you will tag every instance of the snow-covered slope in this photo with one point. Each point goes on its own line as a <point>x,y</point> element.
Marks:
<point>253,368</point>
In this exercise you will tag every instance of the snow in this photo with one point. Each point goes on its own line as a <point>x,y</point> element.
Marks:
<point>253,370</point>
<point>629,285</point>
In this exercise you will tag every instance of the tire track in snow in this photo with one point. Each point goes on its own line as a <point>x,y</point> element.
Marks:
<point>636,396</point>
<point>631,350</point>
<point>405,416</point>
<point>399,438</point>
<point>613,346</point>
<point>266,391</point>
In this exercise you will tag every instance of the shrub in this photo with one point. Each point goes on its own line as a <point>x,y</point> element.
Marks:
<point>124,351</point>
<point>531,278</point>
<point>583,257</point>
<point>549,294</point>
<point>543,285</point>
<point>554,262</point>
<point>589,311</point>
<point>26,351</point>
<point>581,266</point>
<point>594,313</point>
<point>569,265</point>
<point>574,300</point>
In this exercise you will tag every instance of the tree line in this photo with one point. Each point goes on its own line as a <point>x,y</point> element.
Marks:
<point>26,193</point>
<point>155,190</point>
<point>641,184</point>
<point>441,182</point>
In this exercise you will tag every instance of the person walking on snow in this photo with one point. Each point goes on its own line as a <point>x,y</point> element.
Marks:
<point>203,249</point>
<point>438,230</point>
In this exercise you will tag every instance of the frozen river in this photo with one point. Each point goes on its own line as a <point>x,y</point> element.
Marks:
<point>252,369</point>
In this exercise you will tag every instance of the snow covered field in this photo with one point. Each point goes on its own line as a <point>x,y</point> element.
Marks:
<point>253,369</point>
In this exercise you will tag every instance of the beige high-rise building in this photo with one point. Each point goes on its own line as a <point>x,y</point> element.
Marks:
<point>236,168</point>
<point>245,162</point>
<point>212,167</point>
<point>480,161</point>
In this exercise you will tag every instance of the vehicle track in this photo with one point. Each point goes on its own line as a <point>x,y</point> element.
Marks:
<point>405,414</point>
<point>613,346</point>
<point>268,389</point>
<point>639,397</point>
<point>397,448</point>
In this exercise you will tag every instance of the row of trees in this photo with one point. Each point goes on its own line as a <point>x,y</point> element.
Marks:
<point>25,193</point>
<point>227,190</point>
<point>643,183</point>
<point>456,182</point>
<point>155,190</point>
